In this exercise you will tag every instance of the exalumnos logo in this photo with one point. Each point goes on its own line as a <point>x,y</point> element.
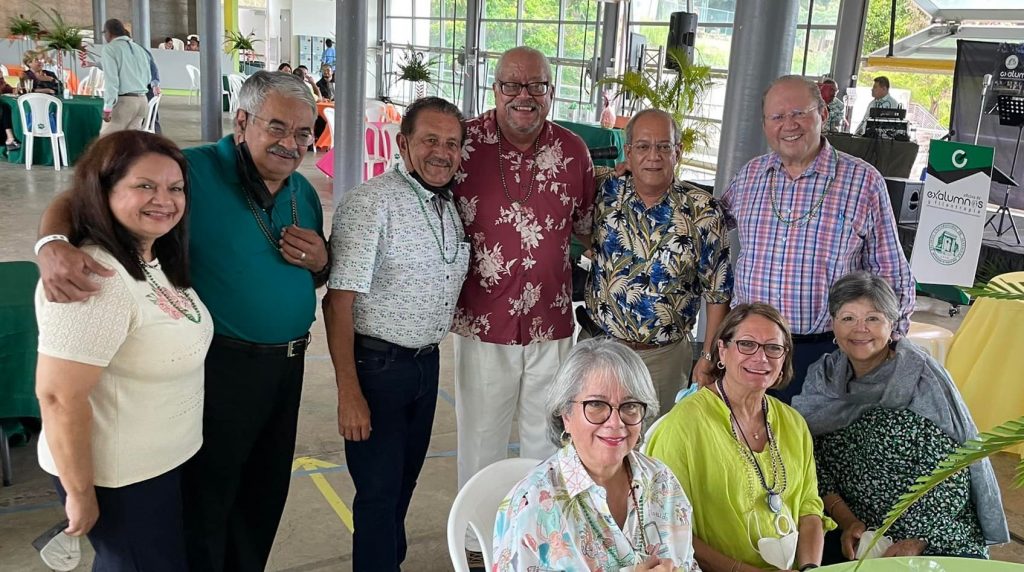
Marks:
<point>966,203</point>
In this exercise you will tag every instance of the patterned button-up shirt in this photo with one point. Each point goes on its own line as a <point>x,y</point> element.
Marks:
<point>653,265</point>
<point>557,518</point>
<point>519,287</point>
<point>405,262</point>
<point>792,266</point>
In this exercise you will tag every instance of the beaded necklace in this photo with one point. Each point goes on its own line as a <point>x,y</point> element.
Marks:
<point>533,172</point>
<point>807,216</point>
<point>263,225</point>
<point>609,543</point>
<point>773,497</point>
<point>196,317</point>
<point>437,239</point>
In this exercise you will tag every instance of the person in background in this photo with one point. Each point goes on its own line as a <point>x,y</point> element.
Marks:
<point>120,376</point>
<point>6,117</point>
<point>836,109</point>
<point>328,58</point>
<point>168,43</point>
<point>882,414</point>
<point>597,504</point>
<point>285,67</point>
<point>326,82</point>
<point>880,100</point>
<point>745,459</point>
<point>43,80</point>
<point>127,73</point>
<point>192,45</point>
<point>302,72</point>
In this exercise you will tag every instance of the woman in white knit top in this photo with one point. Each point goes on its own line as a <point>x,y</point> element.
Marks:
<point>120,375</point>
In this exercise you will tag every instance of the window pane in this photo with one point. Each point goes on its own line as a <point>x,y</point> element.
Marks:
<point>582,10</point>
<point>497,37</point>
<point>569,83</point>
<point>543,37</point>
<point>399,8</point>
<point>657,35</point>
<point>399,31</point>
<point>500,9</point>
<point>421,32</point>
<point>577,38</point>
<point>541,10</point>
<point>713,45</point>
<point>819,56</point>
<point>444,8</point>
<point>714,11</point>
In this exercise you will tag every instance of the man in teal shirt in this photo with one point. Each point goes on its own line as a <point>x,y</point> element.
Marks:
<point>257,254</point>
<point>127,76</point>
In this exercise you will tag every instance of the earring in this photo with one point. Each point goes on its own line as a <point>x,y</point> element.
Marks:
<point>834,342</point>
<point>720,365</point>
<point>565,437</point>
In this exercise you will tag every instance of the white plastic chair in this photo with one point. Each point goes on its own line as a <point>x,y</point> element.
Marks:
<point>193,76</point>
<point>235,82</point>
<point>4,71</point>
<point>476,506</point>
<point>374,110</point>
<point>93,83</point>
<point>40,105</point>
<point>373,154</point>
<point>179,44</point>
<point>329,119</point>
<point>390,133</point>
<point>150,123</point>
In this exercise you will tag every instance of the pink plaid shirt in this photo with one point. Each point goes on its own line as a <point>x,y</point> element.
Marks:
<point>793,266</point>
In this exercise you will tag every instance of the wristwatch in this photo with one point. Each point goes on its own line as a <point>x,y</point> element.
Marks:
<point>707,356</point>
<point>808,566</point>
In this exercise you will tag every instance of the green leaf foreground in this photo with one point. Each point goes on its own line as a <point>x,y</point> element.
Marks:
<point>988,443</point>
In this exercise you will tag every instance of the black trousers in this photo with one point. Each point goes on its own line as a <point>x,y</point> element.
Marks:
<point>139,528</point>
<point>236,485</point>
<point>401,392</point>
<point>805,352</point>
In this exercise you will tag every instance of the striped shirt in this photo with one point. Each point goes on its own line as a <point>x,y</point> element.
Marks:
<point>793,266</point>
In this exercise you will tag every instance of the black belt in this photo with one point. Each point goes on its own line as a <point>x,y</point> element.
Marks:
<point>379,345</point>
<point>294,348</point>
<point>131,95</point>
<point>813,338</point>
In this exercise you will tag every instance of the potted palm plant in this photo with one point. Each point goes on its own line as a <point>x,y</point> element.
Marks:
<point>24,30</point>
<point>415,68</point>
<point>62,37</point>
<point>241,44</point>
<point>680,94</point>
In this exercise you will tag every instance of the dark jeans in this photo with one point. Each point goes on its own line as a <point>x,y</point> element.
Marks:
<point>236,485</point>
<point>139,528</point>
<point>401,392</point>
<point>804,354</point>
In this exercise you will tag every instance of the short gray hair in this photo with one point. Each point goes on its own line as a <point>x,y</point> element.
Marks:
<point>254,91</point>
<point>812,89</point>
<point>660,113</point>
<point>864,285</point>
<point>597,356</point>
<point>525,50</point>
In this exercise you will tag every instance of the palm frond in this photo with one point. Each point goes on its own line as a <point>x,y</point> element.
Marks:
<point>999,438</point>
<point>997,290</point>
<point>20,26</point>
<point>60,36</point>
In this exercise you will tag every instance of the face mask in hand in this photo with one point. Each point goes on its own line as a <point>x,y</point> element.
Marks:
<point>779,551</point>
<point>879,549</point>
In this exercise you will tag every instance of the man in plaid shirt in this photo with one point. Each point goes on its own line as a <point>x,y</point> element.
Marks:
<point>808,215</point>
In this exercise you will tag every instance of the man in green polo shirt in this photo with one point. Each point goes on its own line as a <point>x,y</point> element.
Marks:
<point>257,254</point>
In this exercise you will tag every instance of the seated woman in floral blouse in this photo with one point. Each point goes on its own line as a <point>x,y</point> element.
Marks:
<point>597,504</point>
<point>883,413</point>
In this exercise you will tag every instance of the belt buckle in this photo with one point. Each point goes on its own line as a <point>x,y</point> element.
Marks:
<point>423,351</point>
<point>299,343</point>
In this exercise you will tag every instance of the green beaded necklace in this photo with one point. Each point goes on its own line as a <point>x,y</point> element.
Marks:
<point>437,238</point>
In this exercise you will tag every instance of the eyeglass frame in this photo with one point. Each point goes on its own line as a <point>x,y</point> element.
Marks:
<point>287,131</point>
<point>795,115</point>
<point>656,147</point>
<point>501,87</point>
<point>616,408</point>
<point>758,346</point>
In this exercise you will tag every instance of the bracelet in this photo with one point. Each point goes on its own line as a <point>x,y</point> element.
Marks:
<point>808,566</point>
<point>706,355</point>
<point>832,505</point>
<point>47,240</point>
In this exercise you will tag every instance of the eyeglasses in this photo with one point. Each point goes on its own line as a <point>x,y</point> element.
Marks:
<point>597,411</point>
<point>511,88</point>
<point>795,115</point>
<point>663,148</point>
<point>750,347</point>
<point>303,137</point>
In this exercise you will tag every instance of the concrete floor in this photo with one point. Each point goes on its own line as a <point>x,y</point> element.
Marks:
<point>313,535</point>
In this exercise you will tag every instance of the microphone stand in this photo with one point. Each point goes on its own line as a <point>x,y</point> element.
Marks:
<point>981,112</point>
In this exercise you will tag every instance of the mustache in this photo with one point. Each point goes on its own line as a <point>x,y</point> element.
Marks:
<point>283,151</point>
<point>439,162</point>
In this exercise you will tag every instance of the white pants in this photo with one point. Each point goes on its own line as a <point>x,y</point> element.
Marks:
<point>492,383</point>
<point>128,113</point>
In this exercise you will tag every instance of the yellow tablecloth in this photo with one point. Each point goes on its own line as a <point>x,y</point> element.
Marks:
<point>984,358</point>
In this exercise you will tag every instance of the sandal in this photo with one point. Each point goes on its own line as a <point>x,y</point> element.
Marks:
<point>14,145</point>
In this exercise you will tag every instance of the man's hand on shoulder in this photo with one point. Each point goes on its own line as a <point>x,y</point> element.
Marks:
<point>65,271</point>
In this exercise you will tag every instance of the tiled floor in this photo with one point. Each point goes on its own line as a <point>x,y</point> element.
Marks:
<point>312,535</point>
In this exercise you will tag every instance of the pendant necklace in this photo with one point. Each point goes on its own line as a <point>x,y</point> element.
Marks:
<point>807,216</point>
<point>608,543</point>
<point>533,173</point>
<point>773,497</point>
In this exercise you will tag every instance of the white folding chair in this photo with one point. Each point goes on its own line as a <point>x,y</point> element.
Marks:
<point>178,44</point>
<point>373,153</point>
<point>329,118</point>
<point>476,506</point>
<point>193,76</point>
<point>150,123</point>
<point>39,105</point>
<point>390,132</point>
<point>235,82</point>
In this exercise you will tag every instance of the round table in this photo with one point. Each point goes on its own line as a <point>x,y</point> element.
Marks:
<point>925,564</point>
<point>982,358</point>
<point>933,339</point>
<point>18,334</point>
<point>83,116</point>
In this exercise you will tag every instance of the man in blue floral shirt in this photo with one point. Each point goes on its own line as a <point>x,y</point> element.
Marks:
<point>659,247</point>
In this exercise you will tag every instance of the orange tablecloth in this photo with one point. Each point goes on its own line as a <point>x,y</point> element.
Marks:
<point>16,70</point>
<point>324,142</point>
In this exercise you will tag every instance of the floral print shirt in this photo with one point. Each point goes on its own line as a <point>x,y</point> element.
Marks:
<point>653,265</point>
<point>557,518</point>
<point>519,287</point>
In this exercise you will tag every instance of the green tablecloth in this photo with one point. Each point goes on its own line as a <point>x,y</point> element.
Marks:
<point>596,136</point>
<point>18,338</point>
<point>926,564</point>
<point>83,116</point>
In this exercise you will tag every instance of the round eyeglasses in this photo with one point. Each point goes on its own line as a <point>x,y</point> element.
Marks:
<point>749,347</point>
<point>597,411</point>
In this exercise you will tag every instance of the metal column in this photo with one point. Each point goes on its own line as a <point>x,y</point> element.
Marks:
<point>211,26</point>
<point>140,23</point>
<point>350,96</point>
<point>470,84</point>
<point>762,50</point>
<point>606,59</point>
<point>853,15</point>
<point>99,17</point>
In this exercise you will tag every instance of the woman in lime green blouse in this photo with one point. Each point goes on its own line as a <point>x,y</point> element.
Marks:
<point>744,459</point>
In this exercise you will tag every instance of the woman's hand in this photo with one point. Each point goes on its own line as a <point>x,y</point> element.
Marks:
<point>82,511</point>
<point>655,564</point>
<point>850,537</point>
<point>908,547</point>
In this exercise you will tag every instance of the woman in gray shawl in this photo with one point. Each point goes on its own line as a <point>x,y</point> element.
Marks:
<point>883,413</point>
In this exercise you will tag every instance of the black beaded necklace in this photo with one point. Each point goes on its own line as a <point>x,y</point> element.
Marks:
<point>773,497</point>
<point>533,173</point>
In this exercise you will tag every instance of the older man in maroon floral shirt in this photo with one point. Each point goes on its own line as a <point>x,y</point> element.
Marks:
<point>526,186</point>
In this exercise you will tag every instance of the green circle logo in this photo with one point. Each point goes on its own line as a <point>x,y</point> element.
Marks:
<point>947,244</point>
